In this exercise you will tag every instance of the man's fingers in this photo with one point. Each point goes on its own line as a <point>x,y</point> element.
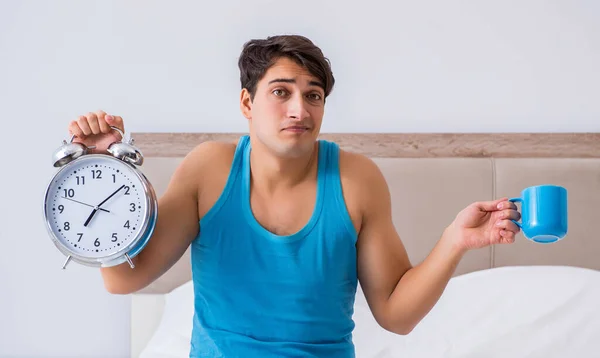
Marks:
<point>82,122</point>
<point>510,214</point>
<point>507,230</point>
<point>104,127</point>
<point>506,237</point>
<point>508,225</point>
<point>507,205</point>
<point>115,121</point>
<point>93,123</point>
<point>74,129</point>
<point>494,205</point>
<point>491,205</point>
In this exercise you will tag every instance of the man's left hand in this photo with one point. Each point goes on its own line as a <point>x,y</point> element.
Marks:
<point>486,223</point>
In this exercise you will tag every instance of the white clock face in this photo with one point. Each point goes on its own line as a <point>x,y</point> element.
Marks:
<point>96,206</point>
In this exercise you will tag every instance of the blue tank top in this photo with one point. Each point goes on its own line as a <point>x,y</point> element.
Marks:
<point>258,294</point>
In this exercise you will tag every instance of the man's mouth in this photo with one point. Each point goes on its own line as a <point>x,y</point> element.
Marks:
<point>296,129</point>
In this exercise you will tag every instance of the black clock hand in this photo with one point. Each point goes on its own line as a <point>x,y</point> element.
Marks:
<point>98,207</point>
<point>64,197</point>
<point>90,217</point>
<point>111,195</point>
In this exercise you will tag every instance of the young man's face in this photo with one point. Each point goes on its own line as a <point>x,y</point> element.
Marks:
<point>287,110</point>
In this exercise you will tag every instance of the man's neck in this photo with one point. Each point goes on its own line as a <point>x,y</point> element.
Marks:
<point>271,173</point>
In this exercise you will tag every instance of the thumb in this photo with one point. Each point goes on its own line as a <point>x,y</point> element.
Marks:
<point>115,121</point>
<point>490,205</point>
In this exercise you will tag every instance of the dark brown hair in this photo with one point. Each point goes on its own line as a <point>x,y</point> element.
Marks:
<point>259,55</point>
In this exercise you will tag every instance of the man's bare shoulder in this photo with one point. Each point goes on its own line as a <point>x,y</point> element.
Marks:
<point>206,163</point>
<point>210,153</point>
<point>210,164</point>
<point>359,169</point>
<point>363,185</point>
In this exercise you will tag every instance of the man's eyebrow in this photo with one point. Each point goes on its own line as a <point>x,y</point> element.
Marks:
<point>284,80</point>
<point>317,83</point>
<point>291,80</point>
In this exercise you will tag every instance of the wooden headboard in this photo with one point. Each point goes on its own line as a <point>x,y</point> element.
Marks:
<point>409,145</point>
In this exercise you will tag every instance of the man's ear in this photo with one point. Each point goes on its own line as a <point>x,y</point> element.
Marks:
<point>246,103</point>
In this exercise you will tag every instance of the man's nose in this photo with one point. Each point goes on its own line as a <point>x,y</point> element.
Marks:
<point>297,107</point>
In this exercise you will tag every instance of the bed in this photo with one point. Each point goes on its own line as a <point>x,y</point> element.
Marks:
<point>520,300</point>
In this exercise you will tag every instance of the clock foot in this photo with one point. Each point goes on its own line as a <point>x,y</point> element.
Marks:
<point>66,262</point>
<point>129,261</point>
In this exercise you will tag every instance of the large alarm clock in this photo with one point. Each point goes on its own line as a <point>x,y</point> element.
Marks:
<point>100,209</point>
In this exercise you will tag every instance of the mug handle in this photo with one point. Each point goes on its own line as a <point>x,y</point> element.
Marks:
<point>516,200</point>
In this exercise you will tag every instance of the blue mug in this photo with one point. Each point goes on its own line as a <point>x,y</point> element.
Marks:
<point>544,216</point>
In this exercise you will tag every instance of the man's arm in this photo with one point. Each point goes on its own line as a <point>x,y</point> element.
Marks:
<point>398,294</point>
<point>176,227</point>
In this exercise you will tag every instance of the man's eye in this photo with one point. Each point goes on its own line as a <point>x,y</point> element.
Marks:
<point>315,96</point>
<point>279,92</point>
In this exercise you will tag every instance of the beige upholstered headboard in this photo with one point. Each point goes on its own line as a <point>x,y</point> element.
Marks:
<point>433,176</point>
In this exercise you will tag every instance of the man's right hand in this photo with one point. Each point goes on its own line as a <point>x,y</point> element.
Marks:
<point>94,129</point>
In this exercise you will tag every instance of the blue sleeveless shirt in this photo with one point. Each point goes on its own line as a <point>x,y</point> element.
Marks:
<point>258,294</point>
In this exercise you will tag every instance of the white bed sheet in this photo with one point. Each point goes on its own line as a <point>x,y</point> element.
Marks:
<point>517,312</point>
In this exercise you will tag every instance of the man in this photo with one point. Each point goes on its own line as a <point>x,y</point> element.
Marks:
<point>283,226</point>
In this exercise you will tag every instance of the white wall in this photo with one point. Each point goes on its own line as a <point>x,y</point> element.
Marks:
<point>466,66</point>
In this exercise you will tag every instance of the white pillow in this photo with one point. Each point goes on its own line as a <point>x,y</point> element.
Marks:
<point>526,311</point>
